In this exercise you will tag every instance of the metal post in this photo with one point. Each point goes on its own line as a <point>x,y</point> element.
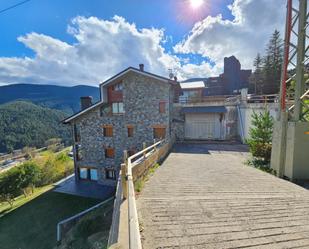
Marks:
<point>299,86</point>
<point>144,147</point>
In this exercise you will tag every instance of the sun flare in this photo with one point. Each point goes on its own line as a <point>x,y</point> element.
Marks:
<point>196,3</point>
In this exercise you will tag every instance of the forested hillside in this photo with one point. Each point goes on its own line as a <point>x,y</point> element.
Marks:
<point>26,124</point>
<point>63,98</point>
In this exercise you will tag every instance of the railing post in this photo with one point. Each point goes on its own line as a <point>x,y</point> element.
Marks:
<point>155,147</point>
<point>144,147</point>
<point>124,180</point>
<point>124,171</point>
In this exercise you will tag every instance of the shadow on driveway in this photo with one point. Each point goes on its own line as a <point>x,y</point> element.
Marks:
<point>207,148</point>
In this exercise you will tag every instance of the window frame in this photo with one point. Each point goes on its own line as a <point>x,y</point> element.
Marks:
<point>162,106</point>
<point>130,130</point>
<point>108,130</point>
<point>119,108</point>
<point>107,171</point>
<point>107,152</point>
<point>155,132</point>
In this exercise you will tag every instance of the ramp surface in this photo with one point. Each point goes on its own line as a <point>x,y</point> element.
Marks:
<point>203,196</point>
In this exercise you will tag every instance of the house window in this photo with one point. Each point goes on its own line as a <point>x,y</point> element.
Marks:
<point>131,152</point>
<point>162,107</point>
<point>83,173</point>
<point>118,87</point>
<point>110,174</point>
<point>107,130</point>
<point>117,108</point>
<point>88,174</point>
<point>130,131</point>
<point>159,132</point>
<point>109,152</point>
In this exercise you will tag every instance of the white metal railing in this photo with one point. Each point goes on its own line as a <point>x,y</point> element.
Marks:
<point>134,232</point>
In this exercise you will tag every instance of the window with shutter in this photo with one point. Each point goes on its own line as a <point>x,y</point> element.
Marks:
<point>107,130</point>
<point>130,131</point>
<point>109,152</point>
<point>159,132</point>
<point>162,107</point>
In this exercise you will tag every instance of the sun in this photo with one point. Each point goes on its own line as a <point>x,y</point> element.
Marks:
<point>196,3</point>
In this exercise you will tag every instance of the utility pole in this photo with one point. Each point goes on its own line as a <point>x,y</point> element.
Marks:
<point>289,157</point>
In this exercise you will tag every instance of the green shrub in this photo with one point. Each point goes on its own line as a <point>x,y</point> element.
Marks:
<point>261,136</point>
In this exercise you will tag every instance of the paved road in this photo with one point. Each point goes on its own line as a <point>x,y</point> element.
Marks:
<point>203,196</point>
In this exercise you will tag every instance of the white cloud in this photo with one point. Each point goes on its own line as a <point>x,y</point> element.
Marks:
<point>102,49</point>
<point>244,36</point>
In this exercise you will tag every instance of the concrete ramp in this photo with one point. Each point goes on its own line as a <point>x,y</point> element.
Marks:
<point>203,196</point>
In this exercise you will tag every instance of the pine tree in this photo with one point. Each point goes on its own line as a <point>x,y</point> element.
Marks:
<point>261,135</point>
<point>256,79</point>
<point>272,64</point>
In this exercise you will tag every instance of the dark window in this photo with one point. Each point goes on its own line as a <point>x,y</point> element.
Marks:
<point>159,132</point>
<point>109,152</point>
<point>107,130</point>
<point>110,174</point>
<point>130,131</point>
<point>131,152</point>
<point>162,106</point>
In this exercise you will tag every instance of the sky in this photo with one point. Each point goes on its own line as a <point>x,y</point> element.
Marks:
<point>75,42</point>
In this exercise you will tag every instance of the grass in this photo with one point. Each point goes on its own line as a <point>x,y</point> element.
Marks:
<point>31,224</point>
<point>5,208</point>
<point>139,184</point>
<point>261,165</point>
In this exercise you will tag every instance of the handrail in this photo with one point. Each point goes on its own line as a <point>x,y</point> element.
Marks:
<point>134,232</point>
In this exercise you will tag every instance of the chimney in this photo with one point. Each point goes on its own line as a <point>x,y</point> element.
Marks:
<point>141,67</point>
<point>85,102</point>
<point>175,78</point>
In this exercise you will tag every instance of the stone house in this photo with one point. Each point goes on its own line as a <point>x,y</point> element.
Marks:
<point>135,107</point>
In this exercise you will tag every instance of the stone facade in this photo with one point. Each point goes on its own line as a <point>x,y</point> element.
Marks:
<point>141,98</point>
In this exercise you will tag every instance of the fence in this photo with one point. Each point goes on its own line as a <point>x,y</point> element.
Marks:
<point>134,168</point>
<point>65,225</point>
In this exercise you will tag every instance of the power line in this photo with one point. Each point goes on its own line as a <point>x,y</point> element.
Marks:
<point>14,6</point>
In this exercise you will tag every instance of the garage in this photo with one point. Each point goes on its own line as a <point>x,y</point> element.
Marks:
<point>204,123</point>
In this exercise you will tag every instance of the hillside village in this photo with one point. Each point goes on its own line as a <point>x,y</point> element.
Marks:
<point>188,134</point>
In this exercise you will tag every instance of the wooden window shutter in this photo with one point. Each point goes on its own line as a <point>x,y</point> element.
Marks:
<point>159,133</point>
<point>107,130</point>
<point>162,107</point>
<point>109,152</point>
<point>130,130</point>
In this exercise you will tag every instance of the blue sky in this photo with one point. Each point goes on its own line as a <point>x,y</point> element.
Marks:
<point>191,41</point>
<point>52,16</point>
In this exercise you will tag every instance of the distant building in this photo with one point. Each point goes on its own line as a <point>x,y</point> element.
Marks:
<point>230,81</point>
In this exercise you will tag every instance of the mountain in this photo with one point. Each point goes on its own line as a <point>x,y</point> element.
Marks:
<point>26,124</point>
<point>63,98</point>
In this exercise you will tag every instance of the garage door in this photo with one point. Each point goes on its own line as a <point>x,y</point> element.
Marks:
<point>202,126</point>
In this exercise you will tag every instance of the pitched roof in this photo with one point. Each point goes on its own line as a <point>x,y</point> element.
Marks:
<point>133,69</point>
<point>75,115</point>
<point>110,80</point>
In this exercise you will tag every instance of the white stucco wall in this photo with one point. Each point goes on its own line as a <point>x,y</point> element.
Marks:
<point>246,111</point>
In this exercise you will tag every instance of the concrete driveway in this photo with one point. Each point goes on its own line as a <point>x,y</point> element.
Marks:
<point>203,196</point>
